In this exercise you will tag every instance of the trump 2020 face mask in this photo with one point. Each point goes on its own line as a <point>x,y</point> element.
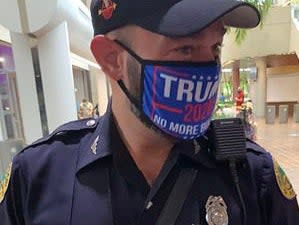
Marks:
<point>178,98</point>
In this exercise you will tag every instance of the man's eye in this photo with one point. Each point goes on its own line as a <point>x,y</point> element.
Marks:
<point>185,50</point>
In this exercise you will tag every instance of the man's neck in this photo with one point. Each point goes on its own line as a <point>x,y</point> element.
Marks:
<point>148,149</point>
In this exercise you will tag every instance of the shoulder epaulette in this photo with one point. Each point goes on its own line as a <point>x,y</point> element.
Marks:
<point>252,146</point>
<point>84,124</point>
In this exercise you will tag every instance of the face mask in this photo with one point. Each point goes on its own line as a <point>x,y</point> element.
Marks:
<point>178,98</point>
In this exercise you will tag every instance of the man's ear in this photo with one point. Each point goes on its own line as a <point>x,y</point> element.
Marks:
<point>107,54</point>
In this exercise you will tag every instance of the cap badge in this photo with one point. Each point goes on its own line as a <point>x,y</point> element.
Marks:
<point>216,210</point>
<point>107,8</point>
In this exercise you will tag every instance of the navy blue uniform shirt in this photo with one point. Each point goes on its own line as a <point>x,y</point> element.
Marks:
<point>82,174</point>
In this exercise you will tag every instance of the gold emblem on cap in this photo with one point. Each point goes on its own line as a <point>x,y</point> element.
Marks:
<point>4,182</point>
<point>216,210</point>
<point>283,182</point>
<point>107,8</point>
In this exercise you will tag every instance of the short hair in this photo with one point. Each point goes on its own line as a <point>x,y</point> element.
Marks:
<point>123,34</point>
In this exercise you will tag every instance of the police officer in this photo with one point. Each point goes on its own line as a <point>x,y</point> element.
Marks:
<point>162,58</point>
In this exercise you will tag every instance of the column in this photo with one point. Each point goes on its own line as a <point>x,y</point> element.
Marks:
<point>261,88</point>
<point>57,76</point>
<point>26,87</point>
<point>93,75</point>
<point>102,87</point>
<point>236,78</point>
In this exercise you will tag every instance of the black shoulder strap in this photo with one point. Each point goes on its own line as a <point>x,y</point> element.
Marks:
<point>177,197</point>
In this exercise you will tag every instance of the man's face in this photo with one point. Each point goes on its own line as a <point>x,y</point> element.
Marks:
<point>201,47</point>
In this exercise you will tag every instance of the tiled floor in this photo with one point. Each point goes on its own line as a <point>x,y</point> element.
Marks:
<point>282,140</point>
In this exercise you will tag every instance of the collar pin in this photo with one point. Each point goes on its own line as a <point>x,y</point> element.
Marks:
<point>94,145</point>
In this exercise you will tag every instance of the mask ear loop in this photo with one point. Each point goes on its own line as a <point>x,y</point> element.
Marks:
<point>135,103</point>
<point>130,51</point>
<point>128,94</point>
<point>133,100</point>
<point>138,111</point>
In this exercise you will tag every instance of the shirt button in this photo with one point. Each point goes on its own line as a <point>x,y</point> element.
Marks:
<point>90,123</point>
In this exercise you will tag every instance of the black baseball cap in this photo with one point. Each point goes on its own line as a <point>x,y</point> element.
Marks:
<point>171,17</point>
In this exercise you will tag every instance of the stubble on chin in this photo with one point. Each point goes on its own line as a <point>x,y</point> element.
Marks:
<point>134,88</point>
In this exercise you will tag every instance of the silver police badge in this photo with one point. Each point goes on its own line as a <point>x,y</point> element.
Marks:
<point>216,210</point>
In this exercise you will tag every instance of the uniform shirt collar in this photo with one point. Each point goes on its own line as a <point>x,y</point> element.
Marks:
<point>98,146</point>
<point>198,151</point>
